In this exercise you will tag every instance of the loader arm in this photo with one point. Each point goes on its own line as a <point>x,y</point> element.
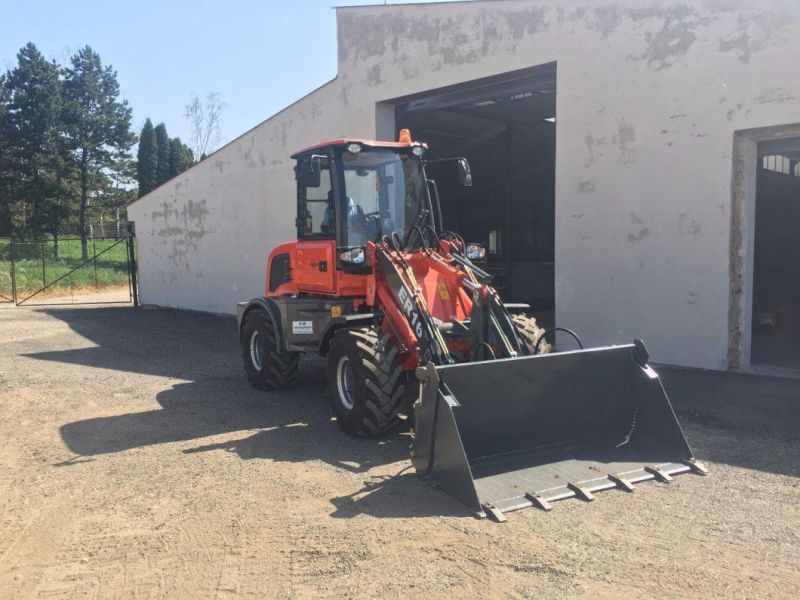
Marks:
<point>488,327</point>
<point>400,280</point>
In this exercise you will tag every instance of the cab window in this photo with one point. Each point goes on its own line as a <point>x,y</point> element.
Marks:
<point>316,216</point>
<point>383,191</point>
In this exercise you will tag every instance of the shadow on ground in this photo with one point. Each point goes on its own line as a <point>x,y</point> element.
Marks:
<point>293,425</point>
<point>730,418</point>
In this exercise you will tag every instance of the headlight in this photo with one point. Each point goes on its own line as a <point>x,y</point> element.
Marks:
<point>418,150</point>
<point>355,256</point>
<point>354,148</point>
<point>475,251</point>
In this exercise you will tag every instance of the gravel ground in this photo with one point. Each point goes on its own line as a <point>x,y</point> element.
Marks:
<point>136,461</point>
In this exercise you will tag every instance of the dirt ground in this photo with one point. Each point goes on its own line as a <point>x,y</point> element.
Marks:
<point>136,461</point>
<point>55,296</point>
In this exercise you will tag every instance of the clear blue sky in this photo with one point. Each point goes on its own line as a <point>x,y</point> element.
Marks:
<point>259,55</point>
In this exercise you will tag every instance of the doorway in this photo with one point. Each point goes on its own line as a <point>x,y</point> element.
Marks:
<point>505,126</point>
<point>776,286</point>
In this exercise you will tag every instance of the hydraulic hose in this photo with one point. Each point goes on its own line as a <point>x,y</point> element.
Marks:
<point>552,330</point>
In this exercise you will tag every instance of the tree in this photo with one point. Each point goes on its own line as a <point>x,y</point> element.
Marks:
<point>162,154</point>
<point>205,121</point>
<point>147,159</point>
<point>180,157</point>
<point>98,124</point>
<point>5,161</point>
<point>35,160</point>
<point>120,192</point>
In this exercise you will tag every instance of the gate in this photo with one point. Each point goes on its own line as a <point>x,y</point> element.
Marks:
<point>53,272</point>
<point>6,278</point>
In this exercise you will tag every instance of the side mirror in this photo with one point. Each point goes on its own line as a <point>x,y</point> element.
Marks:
<point>314,170</point>
<point>464,174</point>
<point>308,171</point>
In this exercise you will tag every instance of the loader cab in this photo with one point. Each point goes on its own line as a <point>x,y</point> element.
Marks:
<point>351,192</point>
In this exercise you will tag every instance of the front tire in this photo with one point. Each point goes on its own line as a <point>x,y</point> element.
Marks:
<point>366,384</point>
<point>266,368</point>
<point>529,334</point>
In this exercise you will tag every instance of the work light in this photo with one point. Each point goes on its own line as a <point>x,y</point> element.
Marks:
<point>475,251</point>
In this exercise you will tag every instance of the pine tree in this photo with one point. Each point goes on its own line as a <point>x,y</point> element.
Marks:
<point>35,158</point>
<point>187,157</point>
<point>162,154</point>
<point>98,124</point>
<point>147,159</point>
<point>180,157</point>
<point>6,177</point>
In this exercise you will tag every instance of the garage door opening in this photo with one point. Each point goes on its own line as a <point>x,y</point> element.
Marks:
<point>776,287</point>
<point>506,127</point>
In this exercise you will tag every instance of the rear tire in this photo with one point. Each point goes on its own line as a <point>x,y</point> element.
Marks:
<point>366,384</point>
<point>266,368</point>
<point>529,334</point>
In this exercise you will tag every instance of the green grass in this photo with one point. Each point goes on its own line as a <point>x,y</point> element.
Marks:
<point>111,266</point>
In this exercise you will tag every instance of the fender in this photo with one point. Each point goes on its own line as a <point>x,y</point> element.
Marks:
<point>269,306</point>
<point>355,320</point>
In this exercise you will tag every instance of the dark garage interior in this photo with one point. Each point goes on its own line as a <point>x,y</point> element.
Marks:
<point>505,126</point>
<point>776,286</point>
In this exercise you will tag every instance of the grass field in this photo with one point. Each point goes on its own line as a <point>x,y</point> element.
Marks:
<point>36,266</point>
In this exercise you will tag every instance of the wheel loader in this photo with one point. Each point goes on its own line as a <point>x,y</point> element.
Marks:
<point>412,330</point>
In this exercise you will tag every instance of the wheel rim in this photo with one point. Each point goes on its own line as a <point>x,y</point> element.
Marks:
<point>345,383</point>
<point>256,350</point>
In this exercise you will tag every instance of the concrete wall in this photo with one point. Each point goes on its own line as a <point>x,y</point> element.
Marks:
<point>649,97</point>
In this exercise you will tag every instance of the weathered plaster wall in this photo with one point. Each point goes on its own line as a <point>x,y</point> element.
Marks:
<point>203,237</point>
<point>649,97</point>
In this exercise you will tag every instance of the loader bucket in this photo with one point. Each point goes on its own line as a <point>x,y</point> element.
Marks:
<point>511,433</point>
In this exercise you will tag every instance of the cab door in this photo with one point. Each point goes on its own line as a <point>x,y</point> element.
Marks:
<point>314,270</point>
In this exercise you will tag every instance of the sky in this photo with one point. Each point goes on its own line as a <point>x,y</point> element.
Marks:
<point>259,56</point>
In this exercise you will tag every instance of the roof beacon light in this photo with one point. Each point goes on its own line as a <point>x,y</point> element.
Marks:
<point>404,137</point>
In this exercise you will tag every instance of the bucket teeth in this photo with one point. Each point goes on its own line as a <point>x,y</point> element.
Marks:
<point>580,491</point>
<point>495,513</point>
<point>621,482</point>
<point>538,501</point>
<point>697,467</point>
<point>658,473</point>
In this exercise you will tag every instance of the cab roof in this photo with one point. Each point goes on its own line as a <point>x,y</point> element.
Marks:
<point>363,142</point>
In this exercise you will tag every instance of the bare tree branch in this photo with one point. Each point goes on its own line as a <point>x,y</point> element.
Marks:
<point>205,122</point>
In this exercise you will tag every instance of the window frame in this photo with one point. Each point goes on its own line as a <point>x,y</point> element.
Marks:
<point>302,201</point>
<point>341,191</point>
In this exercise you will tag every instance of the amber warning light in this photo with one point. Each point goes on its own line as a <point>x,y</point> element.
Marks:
<point>404,137</point>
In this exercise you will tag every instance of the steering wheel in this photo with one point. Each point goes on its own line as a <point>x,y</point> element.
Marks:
<point>372,221</point>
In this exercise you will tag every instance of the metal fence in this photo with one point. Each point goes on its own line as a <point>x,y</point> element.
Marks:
<point>68,271</point>
<point>6,273</point>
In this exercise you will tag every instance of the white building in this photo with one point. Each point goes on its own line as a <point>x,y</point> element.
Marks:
<point>617,151</point>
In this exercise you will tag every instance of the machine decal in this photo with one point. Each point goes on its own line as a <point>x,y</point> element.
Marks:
<point>428,347</point>
<point>408,307</point>
<point>301,327</point>
<point>444,295</point>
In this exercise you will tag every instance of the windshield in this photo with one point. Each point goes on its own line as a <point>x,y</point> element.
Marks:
<point>383,193</point>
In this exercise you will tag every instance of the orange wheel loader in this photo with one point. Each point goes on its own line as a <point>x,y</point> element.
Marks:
<point>412,328</point>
